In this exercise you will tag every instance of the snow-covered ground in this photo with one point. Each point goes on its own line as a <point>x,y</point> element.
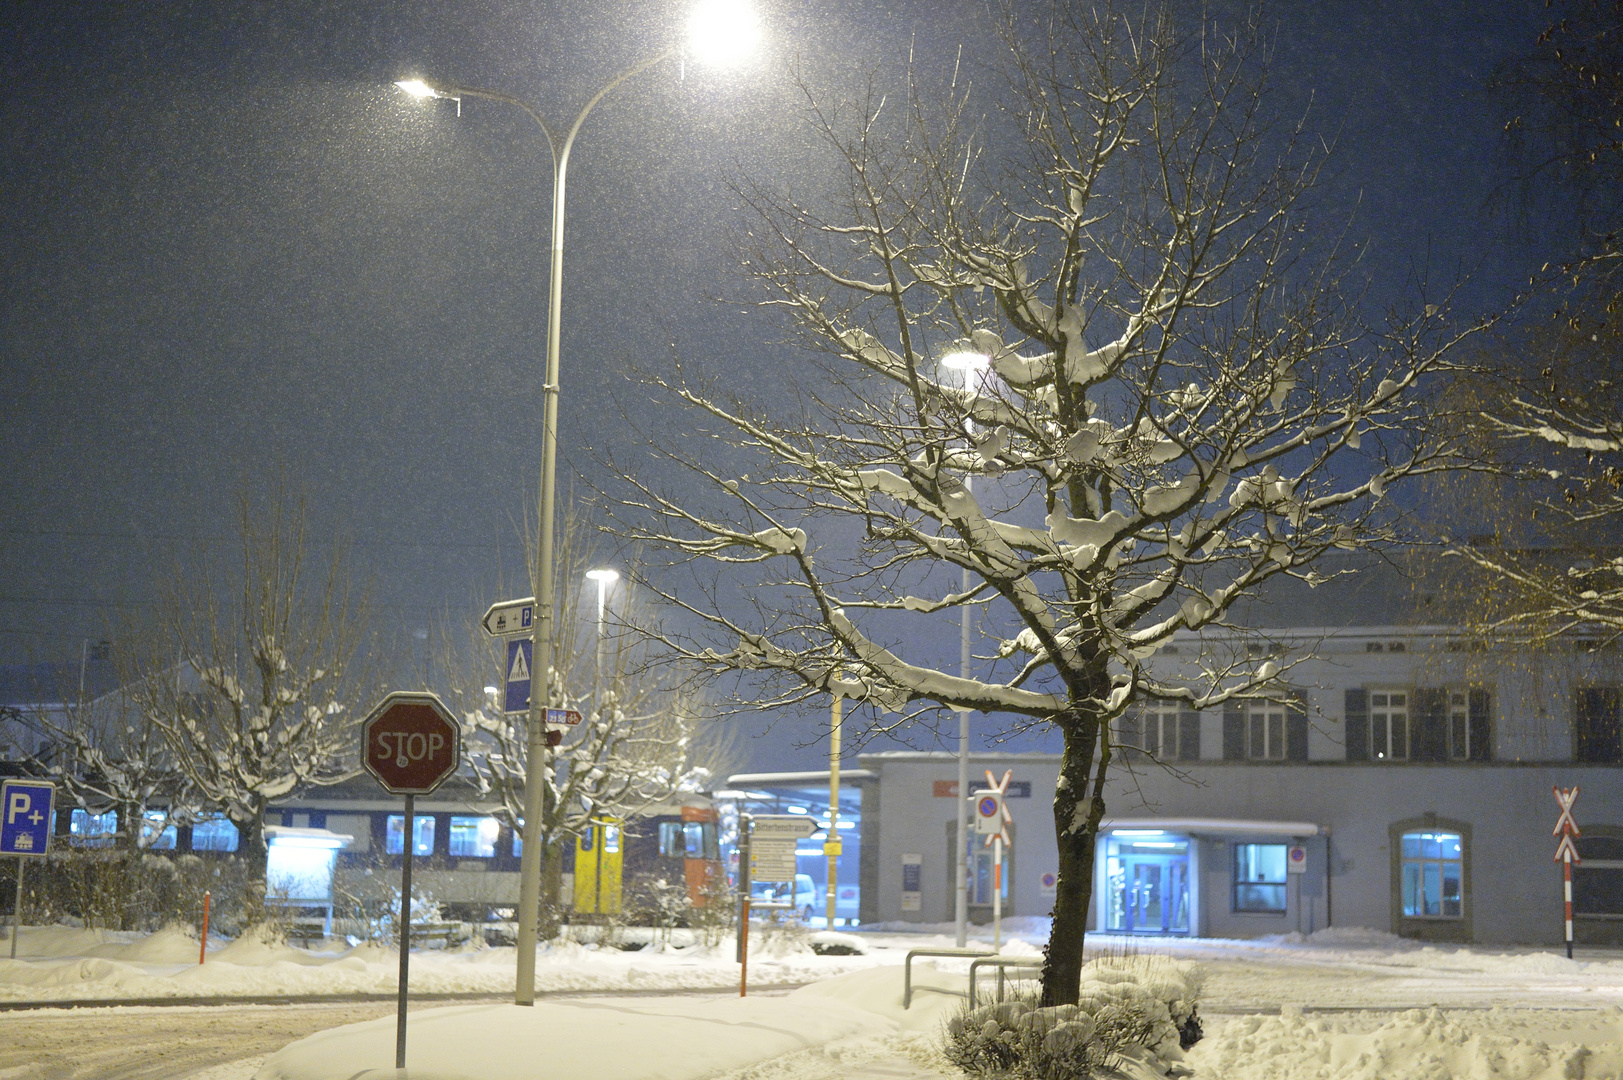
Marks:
<point>1341,1005</point>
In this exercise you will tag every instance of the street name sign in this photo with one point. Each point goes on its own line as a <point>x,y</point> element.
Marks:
<point>510,617</point>
<point>410,743</point>
<point>785,826</point>
<point>25,817</point>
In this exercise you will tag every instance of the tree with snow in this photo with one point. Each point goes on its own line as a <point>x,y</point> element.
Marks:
<point>252,676</point>
<point>1173,402</point>
<point>642,740</point>
<point>105,753</point>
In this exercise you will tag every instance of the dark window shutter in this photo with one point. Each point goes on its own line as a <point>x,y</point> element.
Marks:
<point>1189,736</point>
<point>1355,725</point>
<point>1428,739</point>
<point>1233,731</point>
<point>1295,732</point>
<point>1481,721</point>
<point>1597,726</point>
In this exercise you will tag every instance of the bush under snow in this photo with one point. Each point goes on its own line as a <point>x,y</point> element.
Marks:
<point>1136,1007</point>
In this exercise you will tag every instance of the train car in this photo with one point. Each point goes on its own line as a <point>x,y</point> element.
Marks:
<point>466,860</point>
<point>650,866</point>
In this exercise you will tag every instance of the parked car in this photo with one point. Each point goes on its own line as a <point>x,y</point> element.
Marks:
<point>802,896</point>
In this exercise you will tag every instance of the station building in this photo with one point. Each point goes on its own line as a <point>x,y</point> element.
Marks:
<point>1402,781</point>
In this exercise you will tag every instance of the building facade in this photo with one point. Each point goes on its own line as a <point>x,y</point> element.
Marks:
<point>1398,778</point>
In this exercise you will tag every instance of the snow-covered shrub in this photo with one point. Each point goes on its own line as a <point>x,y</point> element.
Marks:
<point>716,917</point>
<point>141,890</point>
<point>1127,1007</point>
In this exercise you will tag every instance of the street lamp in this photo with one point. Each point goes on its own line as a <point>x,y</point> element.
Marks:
<point>971,368</point>
<point>605,581</point>
<point>718,29</point>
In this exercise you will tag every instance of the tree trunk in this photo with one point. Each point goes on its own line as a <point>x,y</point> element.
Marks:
<point>552,880</point>
<point>1078,808</point>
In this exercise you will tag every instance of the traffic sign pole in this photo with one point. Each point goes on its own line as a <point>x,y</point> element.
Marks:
<point>405,934</point>
<point>410,744</point>
<point>1566,853</point>
<point>25,832</point>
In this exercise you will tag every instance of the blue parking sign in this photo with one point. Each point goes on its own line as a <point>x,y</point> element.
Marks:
<point>25,816</point>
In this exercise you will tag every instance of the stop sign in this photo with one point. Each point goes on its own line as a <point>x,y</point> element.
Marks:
<point>410,743</point>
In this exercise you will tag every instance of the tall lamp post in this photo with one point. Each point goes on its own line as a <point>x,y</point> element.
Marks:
<point>718,30</point>
<point>972,368</point>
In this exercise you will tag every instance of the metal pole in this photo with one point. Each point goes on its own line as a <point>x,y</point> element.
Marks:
<point>997,894</point>
<point>203,946</point>
<point>745,827</point>
<point>537,760</point>
<point>405,934</point>
<point>1566,883</point>
<point>832,846</point>
<point>961,870</point>
<point>17,910</point>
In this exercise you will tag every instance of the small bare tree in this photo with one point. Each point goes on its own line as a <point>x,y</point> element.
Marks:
<point>642,739</point>
<point>252,675</point>
<point>1175,402</point>
<point>107,754</point>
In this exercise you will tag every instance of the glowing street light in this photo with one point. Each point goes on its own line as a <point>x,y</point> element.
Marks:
<point>718,32</point>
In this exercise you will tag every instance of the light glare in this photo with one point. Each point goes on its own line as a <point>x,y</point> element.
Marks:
<point>603,577</point>
<point>723,32</point>
<point>417,88</point>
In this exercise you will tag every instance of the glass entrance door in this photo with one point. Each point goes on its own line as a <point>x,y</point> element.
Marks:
<point>1148,886</point>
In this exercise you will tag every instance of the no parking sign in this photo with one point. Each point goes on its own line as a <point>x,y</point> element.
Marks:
<point>1296,859</point>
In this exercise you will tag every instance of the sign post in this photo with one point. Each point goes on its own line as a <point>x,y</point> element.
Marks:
<point>411,744</point>
<point>992,821</point>
<point>1566,852</point>
<point>25,832</point>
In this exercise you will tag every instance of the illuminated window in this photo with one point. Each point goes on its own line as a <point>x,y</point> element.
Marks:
<point>93,830</point>
<point>1433,870</point>
<point>1389,725</point>
<point>671,844</point>
<point>422,841</point>
<point>214,834</point>
<point>474,837</point>
<point>1259,877</point>
<point>155,835</point>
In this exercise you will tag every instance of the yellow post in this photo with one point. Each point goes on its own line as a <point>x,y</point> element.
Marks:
<point>831,846</point>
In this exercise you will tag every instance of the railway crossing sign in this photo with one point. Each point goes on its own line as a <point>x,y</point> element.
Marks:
<point>510,617</point>
<point>516,694</point>
<point>25,817</point>
<point>410,743</point>
<point>1566,853</point>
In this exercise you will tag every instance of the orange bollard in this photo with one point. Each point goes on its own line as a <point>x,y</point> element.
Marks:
<point>203,950</point>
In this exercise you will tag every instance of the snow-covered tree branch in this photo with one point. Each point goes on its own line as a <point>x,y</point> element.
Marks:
<point>251,676</point>
<point>1176,400</point>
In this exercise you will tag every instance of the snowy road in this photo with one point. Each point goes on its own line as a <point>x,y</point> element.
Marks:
<point>165,1043</point>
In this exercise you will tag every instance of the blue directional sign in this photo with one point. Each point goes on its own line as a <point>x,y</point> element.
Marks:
<point>25,816</point>
<point>516,699</point>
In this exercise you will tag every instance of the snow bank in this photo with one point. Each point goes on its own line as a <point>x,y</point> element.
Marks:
<point>1421,1044</point>
<point>620,1039</point>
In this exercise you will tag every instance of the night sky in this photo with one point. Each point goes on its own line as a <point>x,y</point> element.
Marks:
<point>232,251</point>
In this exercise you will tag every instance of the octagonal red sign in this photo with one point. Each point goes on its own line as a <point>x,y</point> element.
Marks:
<point>410,743</point>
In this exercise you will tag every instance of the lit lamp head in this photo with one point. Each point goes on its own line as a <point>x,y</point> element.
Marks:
<point>417,88</point>
<point>723,32</point>
<point>970,366</point>
<point>604,578</point>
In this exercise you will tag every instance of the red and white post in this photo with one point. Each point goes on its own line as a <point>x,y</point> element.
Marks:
<point>1566,852</point>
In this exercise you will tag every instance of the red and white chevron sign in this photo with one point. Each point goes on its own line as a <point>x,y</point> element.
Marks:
<point>1566,852</point>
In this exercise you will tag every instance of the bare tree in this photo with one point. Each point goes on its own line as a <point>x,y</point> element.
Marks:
<point>107,754</point>
<point>253,674</point>
<point>1179,404</point>
<point>642,740</point>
